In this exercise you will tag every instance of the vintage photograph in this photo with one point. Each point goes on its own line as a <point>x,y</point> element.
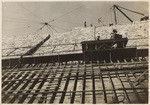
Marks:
<point>75,52</point>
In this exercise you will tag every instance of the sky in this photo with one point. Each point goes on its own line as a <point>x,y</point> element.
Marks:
<point>25,18</point>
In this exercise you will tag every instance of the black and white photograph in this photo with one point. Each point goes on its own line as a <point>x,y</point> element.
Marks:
<point>75,52</point>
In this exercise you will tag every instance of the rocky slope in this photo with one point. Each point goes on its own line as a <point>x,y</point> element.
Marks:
<point>136,32</point>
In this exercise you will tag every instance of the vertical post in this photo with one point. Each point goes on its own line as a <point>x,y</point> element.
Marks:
<point>34,60</point>
<point>86,48</point>
<point>124,46</point>
<point>115,14</point>
<point>110,55</point>
<point>20,62</point>
<point>58,59</point>
<point>94,33</point>
<point>9,62</point>
<point>137,55</point>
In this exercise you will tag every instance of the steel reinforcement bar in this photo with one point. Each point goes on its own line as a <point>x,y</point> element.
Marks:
<point>51,84</point>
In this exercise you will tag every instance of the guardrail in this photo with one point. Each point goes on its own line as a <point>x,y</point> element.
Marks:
<point>12,62</point>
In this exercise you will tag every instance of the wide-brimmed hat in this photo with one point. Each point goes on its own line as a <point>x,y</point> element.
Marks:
<point>114,30</point>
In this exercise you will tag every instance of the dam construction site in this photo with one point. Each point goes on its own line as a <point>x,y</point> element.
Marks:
<point>90,64</point>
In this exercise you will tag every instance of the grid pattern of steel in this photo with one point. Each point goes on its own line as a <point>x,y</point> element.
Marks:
<point>76,82</point>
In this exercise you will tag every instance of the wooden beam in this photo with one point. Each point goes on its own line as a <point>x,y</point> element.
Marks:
<point>39,87</point>
<point>125,92</point>
<point>23,98</point>
<point>56,88</point>
<point>131,84</point>
<point>22,88</point>
<point>103,85</point>
<point>84,85</point>
<point>75,86</point>
<point>66,86</point>
<point>6,96</point>
<point>113,87</point>
<point>93,85</point>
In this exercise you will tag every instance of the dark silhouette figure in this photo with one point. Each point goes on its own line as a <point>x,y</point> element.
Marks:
<point>85,24</point>
<point>111,24</point>
<point>113,34</point>
<point>98,37</point>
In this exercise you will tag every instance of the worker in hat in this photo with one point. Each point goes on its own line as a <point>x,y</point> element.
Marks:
<point>113,34</point>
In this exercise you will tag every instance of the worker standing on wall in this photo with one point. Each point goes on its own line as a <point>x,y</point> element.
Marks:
<point>98,37</point>
<point>113,34</point>
<point>85,24</point>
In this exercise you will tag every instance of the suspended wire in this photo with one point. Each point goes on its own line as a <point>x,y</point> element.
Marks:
<point>47,30</point>
<point>20,19</point>
<point>28,20</point>
<point>131,10</point>
<point>14,28</point>
<point>24,22</point>
<point>69,22</point>
<point>30,12</point>
<point>39,29</point>
<point>68,12</point>
<point>52,28</point>
<point>49,26</point>
<point>59,28</point>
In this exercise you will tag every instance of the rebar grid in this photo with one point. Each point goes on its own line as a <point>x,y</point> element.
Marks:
<point>76,83</point>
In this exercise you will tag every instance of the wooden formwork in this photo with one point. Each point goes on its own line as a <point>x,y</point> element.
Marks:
<point>79,83</point>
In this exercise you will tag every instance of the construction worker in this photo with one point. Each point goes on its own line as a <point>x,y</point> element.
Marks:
<point>98,37</point>
<point>113,34</point>
<point>85,24</point>
<point>99,20</point>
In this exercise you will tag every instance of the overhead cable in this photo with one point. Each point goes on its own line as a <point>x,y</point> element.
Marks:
<point>19,19</point>
<point>59,28</point>
<point>39,29</point>
<point>68,13</point>
<point>30,12</point>
<point>52,28</point>
<point>131,10</point>
<point>49,29</point>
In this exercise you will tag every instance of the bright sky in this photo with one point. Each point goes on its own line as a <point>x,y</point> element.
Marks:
<point>22,18</point>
